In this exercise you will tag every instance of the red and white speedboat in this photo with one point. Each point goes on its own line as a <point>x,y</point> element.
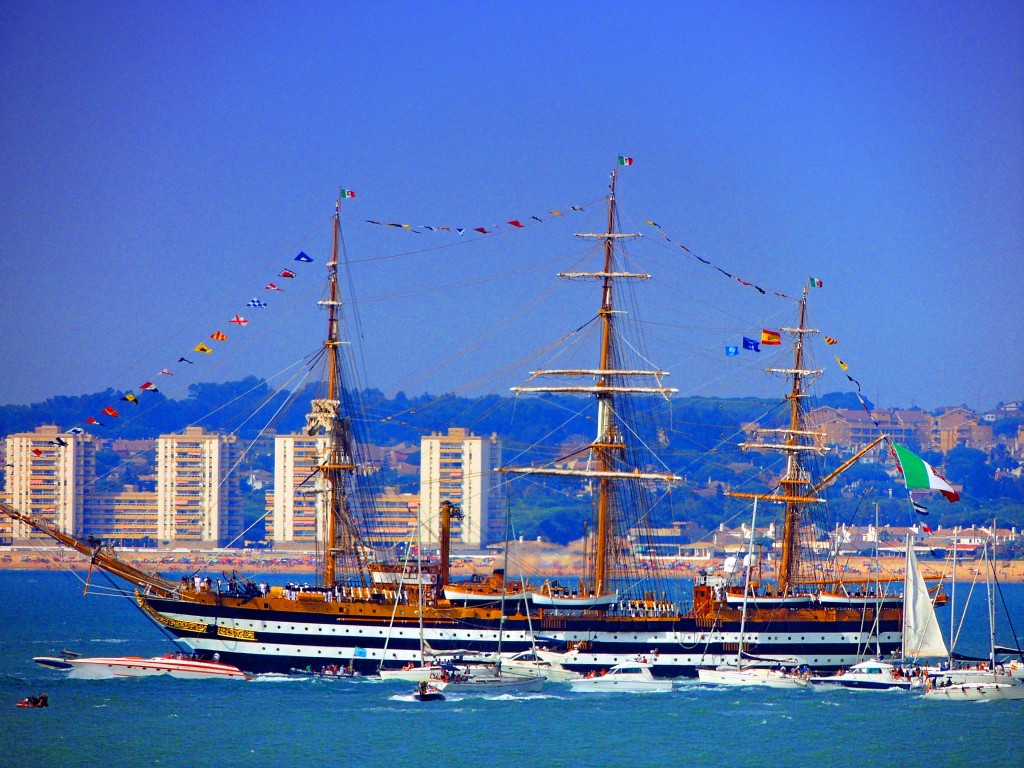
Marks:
<point>173,664</point>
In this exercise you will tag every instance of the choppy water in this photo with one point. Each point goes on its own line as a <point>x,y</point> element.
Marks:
<point>305,722</point>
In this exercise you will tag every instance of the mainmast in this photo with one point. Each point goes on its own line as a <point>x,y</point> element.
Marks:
<point>341,537</point>
<point>796,489</point>
<point>608,450</point>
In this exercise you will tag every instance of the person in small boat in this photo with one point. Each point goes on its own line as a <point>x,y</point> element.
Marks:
<point>35,701</point>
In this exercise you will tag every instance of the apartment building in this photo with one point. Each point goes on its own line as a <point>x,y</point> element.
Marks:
<point>460,467</point>
<point>126,518</point>
<point>293,507</point>
<point>397,516</point>
<point>198,492</point>
<point>855,428</point>
<point>48,472</point>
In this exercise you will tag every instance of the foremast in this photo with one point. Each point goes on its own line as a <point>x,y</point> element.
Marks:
<point>342,541</point>
<point>608,465</point>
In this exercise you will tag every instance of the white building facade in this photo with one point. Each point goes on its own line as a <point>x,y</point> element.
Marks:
<point>295,515</point>
<point>48,472</point>
<point>461,468</point>
<point>198,488</point>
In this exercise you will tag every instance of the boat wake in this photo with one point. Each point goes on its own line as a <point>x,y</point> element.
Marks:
<point>278,677</point>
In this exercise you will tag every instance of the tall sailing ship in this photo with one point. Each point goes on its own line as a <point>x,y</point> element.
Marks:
<point>377,615</point>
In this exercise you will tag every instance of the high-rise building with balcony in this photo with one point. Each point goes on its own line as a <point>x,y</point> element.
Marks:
<point>460,467</point>
<point>293,506</point>
<point>198,489</point>
<point>48,472</point>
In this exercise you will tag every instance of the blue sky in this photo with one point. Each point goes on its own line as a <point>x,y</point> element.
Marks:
<point>161,162</point>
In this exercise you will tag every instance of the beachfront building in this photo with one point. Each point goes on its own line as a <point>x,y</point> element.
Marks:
<point>397,515</point>
<point>48,472</point>
<point>126,518</point>
<point>460,467</point>
<point>293,506</point>
<point>295,516</point>
<point>199,500</point>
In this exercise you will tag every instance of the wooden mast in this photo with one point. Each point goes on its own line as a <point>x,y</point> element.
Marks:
<point>795,487</point>
<point>340,535</point>
<point>608,447</point>
<point>794,477</point>
<point>608,442</point>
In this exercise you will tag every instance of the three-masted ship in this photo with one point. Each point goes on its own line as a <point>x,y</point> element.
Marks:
<point>371,615</point>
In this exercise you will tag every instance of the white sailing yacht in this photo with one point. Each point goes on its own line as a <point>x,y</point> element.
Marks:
<point>982,684</point>
<point>747,675</point>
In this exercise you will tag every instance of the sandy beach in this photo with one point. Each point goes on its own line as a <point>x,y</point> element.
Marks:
<point>543,561</point>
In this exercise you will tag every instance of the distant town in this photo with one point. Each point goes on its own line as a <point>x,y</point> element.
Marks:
<point>202,488</point>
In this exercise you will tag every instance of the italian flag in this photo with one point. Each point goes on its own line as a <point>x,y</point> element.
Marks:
<point>623,160</point>
<point>918,473</point>
<point>347,194</point>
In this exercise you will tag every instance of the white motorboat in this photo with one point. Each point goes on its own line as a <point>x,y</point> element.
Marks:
<point>764,677</point>
<point>173,664</point>
<point>870,675</point>
<point>541,663</point>
<point>632,677</point>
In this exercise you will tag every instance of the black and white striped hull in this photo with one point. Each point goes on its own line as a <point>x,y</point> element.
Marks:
<point>262,639</point>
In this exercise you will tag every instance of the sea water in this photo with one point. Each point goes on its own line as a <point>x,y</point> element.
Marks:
<point>279,722</point>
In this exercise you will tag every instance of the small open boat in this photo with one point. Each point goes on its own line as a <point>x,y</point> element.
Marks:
<point>427,692</point>
<point>173,664</point>
<point>34,702</point>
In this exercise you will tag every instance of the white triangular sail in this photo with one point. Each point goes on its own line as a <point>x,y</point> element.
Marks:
<point>921,633</point>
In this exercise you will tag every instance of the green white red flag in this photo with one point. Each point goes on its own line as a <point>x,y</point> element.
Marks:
<point>918,473</point>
